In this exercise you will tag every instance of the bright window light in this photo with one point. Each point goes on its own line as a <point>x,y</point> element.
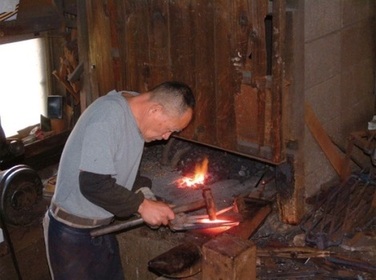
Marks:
<point>23,86</point>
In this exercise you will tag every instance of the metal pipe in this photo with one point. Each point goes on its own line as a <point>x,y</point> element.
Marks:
<point>136,222</point>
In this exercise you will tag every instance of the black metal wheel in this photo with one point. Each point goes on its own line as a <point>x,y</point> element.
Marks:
<point>21,193</point>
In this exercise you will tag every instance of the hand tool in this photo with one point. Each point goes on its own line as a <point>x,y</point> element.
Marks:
<point>182,221</point>
<point>190,222</point>
<point>210,205</point>
<point>139,221</point>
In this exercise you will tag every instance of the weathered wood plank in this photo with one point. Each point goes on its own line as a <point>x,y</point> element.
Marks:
<point>203,127</point>
<point>224,75</point>
<point>89,85</point>
<point>100,57</point>
<point>259,66</point>
<point>292,208</point>
<point>182,52</point>
<point>257,48</point>
<point>116,27</point>
<point>218,48</point>
<point>33,16</point>
<point>246,101</point>
<point>330,150</point>
<point>134,45</point>
<point>246,108</point>
<point>159,42</point>
<point>279,21</point>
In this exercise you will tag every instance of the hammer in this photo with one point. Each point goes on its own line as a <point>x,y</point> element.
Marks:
<point>209,202</point>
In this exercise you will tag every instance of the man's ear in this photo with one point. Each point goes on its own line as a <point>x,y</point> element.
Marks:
<point>155,108</point>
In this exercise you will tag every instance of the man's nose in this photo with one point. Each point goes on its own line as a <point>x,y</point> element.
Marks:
<point>166,135</point>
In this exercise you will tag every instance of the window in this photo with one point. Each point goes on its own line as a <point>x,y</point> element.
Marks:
<point>23,84</point>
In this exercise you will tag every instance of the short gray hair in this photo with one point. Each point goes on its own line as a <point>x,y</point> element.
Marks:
<point>175,97</point>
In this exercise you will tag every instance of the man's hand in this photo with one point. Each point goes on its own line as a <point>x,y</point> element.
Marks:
<point>155,213</point>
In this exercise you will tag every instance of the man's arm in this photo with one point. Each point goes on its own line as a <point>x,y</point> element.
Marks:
<point>103,191</point>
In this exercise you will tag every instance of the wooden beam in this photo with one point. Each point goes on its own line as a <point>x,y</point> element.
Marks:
<point>279,23</point>
<point>330,150</point>
<point>33,17</point>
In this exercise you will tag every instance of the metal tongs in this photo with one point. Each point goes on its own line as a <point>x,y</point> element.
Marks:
<point>181,222</point>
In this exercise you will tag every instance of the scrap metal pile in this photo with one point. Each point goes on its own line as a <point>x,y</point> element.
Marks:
<point>341,211</point>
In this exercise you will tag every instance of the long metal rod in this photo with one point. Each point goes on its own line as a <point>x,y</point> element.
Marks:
<point>136,222</point>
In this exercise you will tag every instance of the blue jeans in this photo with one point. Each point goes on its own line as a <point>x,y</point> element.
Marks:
<point>73,254</point>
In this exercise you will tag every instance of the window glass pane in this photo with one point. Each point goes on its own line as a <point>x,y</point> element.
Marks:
<point>23,86</point>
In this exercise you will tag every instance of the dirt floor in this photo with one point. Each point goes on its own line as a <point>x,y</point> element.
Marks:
<point>282,250</point>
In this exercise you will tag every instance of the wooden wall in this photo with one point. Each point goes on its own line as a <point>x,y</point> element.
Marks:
<point>218,47</point>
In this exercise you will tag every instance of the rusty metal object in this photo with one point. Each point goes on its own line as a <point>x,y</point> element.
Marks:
<point>292,252</point>
<point>182,221</point>
<point>366,142</point>
<point>293,275</point>
<point>210,205</point>
<point>21,192</point>
<point>340,211</point>
<point>225,218</point>
<point>352,263</point>
<point>21,195</point>
<point>254,212</point>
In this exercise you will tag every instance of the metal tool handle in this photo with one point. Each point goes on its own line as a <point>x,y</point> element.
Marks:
<point>116,227</point>
<point>136,222</point>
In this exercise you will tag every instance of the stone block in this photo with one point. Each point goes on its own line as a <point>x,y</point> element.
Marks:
<point>321,18</point>
<point>355,10</point>
<point>357,43</point>
<point>322,59</point>
<point>325,99</point>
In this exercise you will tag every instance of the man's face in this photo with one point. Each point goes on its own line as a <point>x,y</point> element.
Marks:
<point>159,125</point>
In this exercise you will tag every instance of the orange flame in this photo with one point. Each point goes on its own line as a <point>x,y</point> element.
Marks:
<point>198,176</point>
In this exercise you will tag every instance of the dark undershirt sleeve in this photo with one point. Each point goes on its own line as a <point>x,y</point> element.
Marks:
<point>103,191</point>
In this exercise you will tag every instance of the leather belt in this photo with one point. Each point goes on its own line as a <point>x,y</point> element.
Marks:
<point>73,220</point>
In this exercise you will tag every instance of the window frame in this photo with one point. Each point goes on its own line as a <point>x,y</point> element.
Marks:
<point>48,57</point>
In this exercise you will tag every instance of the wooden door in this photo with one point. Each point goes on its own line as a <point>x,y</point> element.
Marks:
<point>228,51</point>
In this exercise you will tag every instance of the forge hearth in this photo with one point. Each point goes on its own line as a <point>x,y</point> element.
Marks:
<point>281,249</point>
<point>227,176</point>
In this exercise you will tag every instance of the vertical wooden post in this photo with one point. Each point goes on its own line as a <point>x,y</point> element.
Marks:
<point>229,257</point>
